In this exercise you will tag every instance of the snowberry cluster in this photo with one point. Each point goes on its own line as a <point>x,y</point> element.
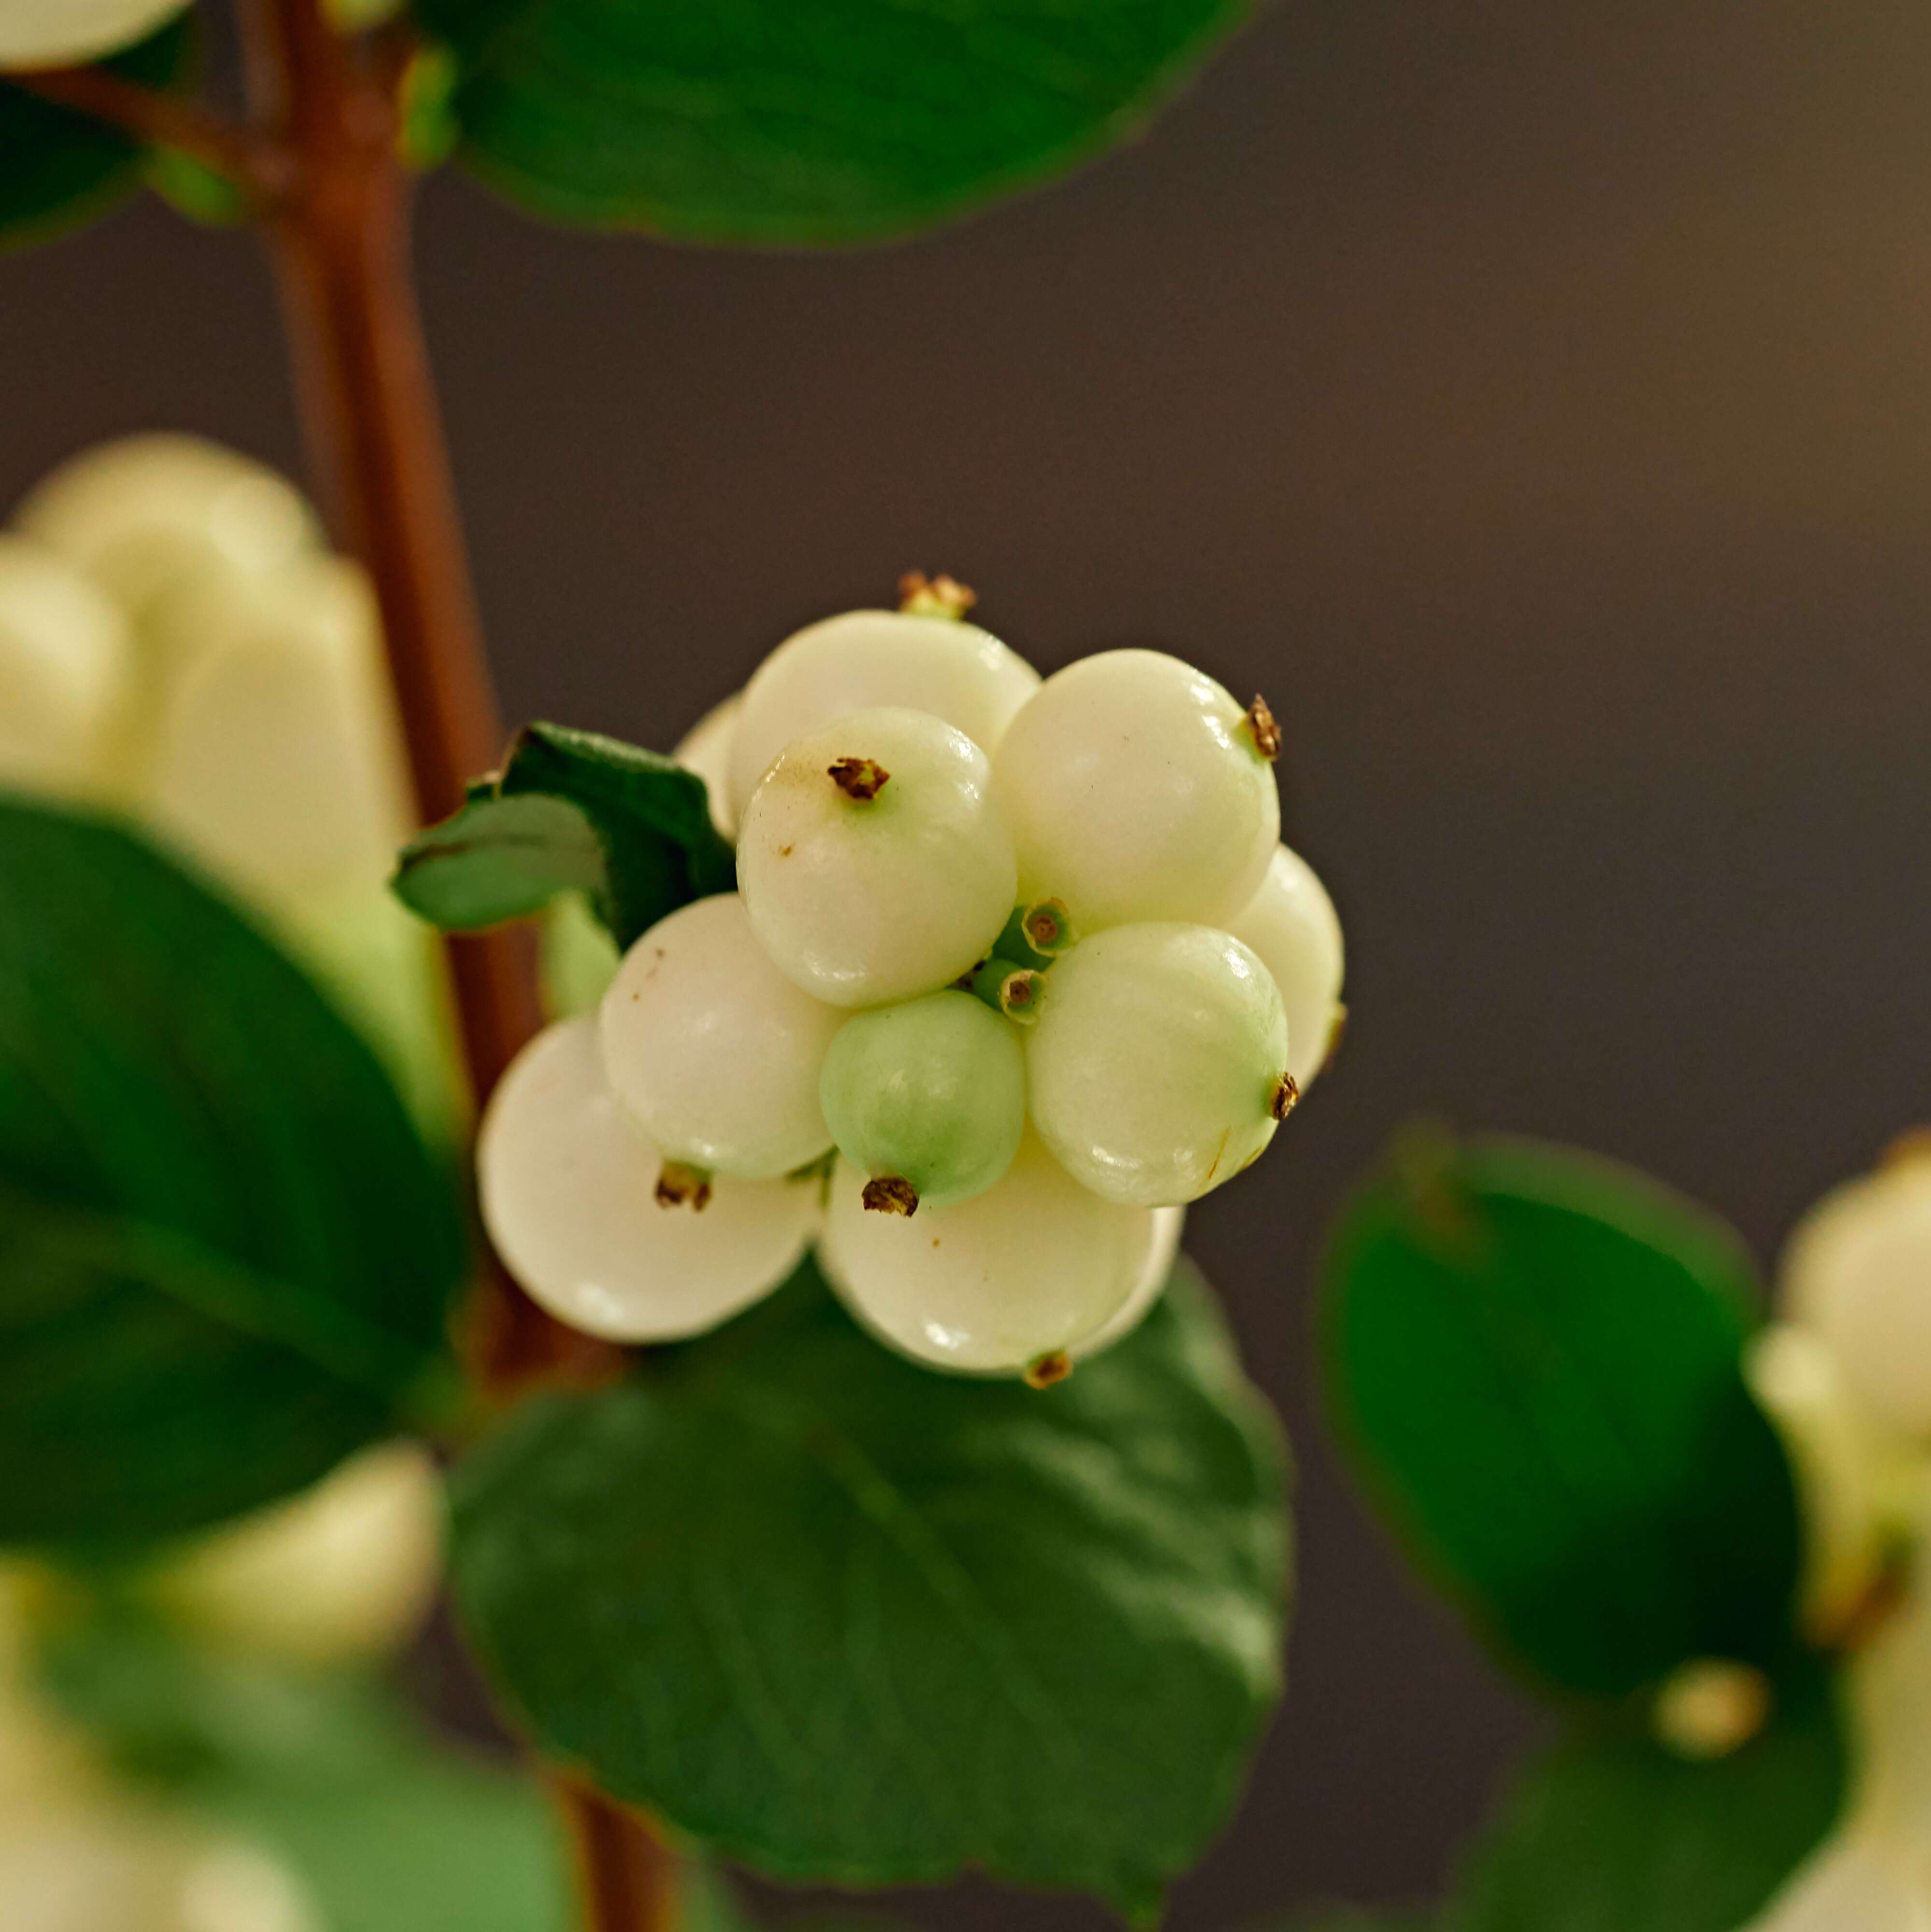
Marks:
<point>1014,970</point>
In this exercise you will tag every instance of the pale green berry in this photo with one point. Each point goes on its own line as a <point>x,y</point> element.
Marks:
<point>705,749</point>
<point>1157,1068</point>
<point>146,515</point>
<point>714,1052</point>
<point>1012,1281</point>
<point>931,1095</point>
<point>875,860</point>
<point>1137,789</point>
<point>1857,1271</point>
<point>571,1195</point>
<point>868,659</point>
<point>1290,924</point>
<point>67,33</point>
<point>65,667</point>
<point>1859,1880</point>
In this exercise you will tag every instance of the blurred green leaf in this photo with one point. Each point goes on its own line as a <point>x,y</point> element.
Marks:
<point>803,120</point>
<point>1534,1356</point>
<point>1356,1918</point>
<point>226,1255</point>
<point>1617,1835</point>
<point>571,811</point>
<point>847,1620</point>
<point>60,169</point>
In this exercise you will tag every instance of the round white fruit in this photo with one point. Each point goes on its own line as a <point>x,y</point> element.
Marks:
<point>147,514</point>
<point>346,1570</point>
<point>931,1093</point>
<point>1156,1269</point>
<point>705,749</point>
<point>714,1052</point>
<point>875,860</point>
<point>276,757</point>
<point>568,1191</point>
<point>65,666</point>
<point>1137,791</point>
<point>869,659</point>
<point>65,33</point>
<point>1155,1069</point>
<point>1029,1269</point>
<point>1857,1271</point>
<point>1858,1883</point>
<point>1290,925</point>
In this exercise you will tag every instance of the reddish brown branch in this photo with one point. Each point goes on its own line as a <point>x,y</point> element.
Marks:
<point>338,225</point>
<point>162,120</point>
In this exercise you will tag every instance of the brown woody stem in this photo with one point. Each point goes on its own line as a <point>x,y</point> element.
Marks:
<point>162,120</point>
<point>338,223</point>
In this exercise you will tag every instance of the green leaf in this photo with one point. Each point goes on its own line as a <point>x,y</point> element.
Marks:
<point>60,169</point>
<point>571,811</point>
<point>1617,1835</point>
<point>846,1620</point>
<point>1534,1356</point>
<point>225,1256</point>
<point>803,120</point>
<point>1357,1918</point>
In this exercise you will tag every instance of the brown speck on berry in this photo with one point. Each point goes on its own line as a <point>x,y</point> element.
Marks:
<point>860,779</point>
<point>892,1195</point>
<point>1281,1101</point>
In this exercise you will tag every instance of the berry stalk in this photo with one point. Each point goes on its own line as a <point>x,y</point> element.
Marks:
<point>338,227</point>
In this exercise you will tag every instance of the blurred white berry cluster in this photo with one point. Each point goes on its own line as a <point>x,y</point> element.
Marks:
<point>1846,1374</point>
<point>1014,970</point>
<point>178,645</point>
<point>61,33</point>
<point>335,1579</point>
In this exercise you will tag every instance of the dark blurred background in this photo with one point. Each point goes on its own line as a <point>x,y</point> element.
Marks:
<point>1534,401</point>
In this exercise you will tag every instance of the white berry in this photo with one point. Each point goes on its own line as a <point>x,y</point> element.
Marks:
<point>147,514</point>
<point>716,1054</point>
<point>568,1189</point>
<point>875,860</point>
<point>1290,924</point>
<point>927,1099</point>
<point>1156,1269</point>
<point>1011,1279</point>
<point>1156,1068</point>
<point>65,665</point>
<point>1857,1271</point>
<point>869,659</point>
<point>65,33</point>
<point>705,749</point>
<point>1137,790</point>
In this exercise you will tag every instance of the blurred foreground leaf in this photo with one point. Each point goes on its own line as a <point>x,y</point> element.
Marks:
<point>1618,1835</point>
<point>570,811</point>
<point>226,1255</point>
<point>59,169</point>
<point>847,1620</point>
<point>1535,1357</point>
<point>802,121</point>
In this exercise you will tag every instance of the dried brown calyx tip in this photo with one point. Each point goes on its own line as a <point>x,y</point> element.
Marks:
<point>1287,1093</point>
<point>678,1185</point>
<point>942,596</point>
<point>860,779</point>
<point>1019,995</point>
<point>1262,729</point>
<point>1053,1367</point>
<point>1049,928</point>
<point>892,1195</point>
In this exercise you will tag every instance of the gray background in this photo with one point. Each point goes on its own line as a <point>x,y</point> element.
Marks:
<point>1532,400</point>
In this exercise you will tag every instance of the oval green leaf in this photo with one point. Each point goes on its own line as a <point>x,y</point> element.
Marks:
<point>1535,1357</point>
<point>846,1620</point>
<point>802,121</point>
<point>226,1255</point>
